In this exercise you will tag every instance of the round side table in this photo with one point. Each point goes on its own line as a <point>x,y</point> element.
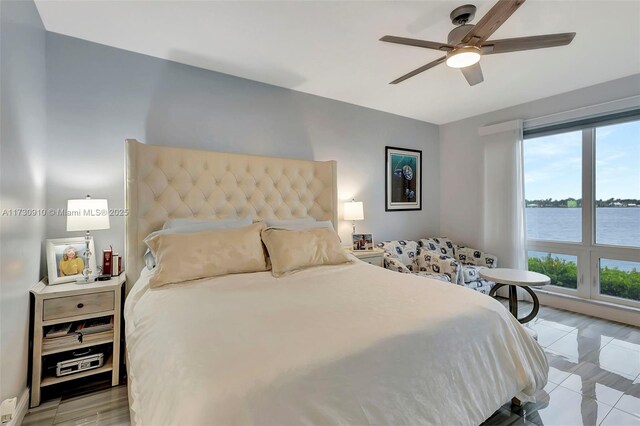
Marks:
<point>516,278</point>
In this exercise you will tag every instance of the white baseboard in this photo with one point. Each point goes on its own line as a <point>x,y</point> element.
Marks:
<point>594,308</point>
<point>21,409</point>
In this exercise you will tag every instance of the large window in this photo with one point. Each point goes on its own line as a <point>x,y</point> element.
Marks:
<point>617,183</point>
<point>582,190</point>
<point>553,187</point>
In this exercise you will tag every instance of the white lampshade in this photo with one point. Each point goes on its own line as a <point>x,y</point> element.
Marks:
<point>353,210</point>
<point>87,215</point>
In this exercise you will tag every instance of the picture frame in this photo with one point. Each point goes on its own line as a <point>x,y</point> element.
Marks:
<point>362,242</point>
<point>403,179</point>
<point>58,248</point>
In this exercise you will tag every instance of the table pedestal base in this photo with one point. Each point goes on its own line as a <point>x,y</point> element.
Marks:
<point>513,301</point>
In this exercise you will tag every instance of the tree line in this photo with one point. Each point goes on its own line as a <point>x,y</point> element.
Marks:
<point>577,202</point>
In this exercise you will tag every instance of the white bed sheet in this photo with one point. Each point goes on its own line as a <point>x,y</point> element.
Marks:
<point>351,344</point>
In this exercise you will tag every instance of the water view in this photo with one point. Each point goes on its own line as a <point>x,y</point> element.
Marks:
<point>618,226</point>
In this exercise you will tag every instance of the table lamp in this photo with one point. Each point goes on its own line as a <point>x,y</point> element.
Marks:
<point>87,215</point>
<point>353,210</point>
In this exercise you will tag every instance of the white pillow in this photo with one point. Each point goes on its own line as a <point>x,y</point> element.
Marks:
<point>277,223</point>
<point>209,224</point>
<point>301,226</point>
<point>187,226</point>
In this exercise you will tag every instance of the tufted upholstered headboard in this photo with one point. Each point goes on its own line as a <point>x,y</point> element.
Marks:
<point>166,183</point>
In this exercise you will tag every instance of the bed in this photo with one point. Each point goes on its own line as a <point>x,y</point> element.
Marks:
<point>344,344</point>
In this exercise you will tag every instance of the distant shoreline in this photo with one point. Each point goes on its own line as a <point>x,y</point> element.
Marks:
<point>577,203</point>
<point>578,207</point>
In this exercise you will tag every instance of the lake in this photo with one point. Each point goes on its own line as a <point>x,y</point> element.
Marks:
<point>614,225</point>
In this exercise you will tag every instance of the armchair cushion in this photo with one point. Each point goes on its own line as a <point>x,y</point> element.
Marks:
<point>470,256</point>
<point>470,273</point>
<point>405,251</point>
<point>433,262</point>
<point>439,277</point>
<point>395,264</point>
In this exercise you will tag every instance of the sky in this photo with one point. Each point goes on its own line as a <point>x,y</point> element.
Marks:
<point>553,164</point>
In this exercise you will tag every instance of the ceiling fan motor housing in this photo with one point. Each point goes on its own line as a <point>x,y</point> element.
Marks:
<point>457,34</point>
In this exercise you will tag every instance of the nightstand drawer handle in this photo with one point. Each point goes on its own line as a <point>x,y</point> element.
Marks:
<point>80,305</point>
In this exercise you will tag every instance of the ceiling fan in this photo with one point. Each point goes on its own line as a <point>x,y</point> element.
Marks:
<point>467,43</point>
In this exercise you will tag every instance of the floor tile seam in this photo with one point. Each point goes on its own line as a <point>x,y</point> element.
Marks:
<point>581,357</point>
<point>561,337</point>
<point>605,417</point>
<point>624,347</point>
<point>585,396</point>
<point>625,411</point>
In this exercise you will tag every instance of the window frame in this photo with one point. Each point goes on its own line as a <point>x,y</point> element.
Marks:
<point>588,252</point>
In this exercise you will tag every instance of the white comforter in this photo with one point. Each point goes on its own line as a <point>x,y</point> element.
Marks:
<point>352,344</point>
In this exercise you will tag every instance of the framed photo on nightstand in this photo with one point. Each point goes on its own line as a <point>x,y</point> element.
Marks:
<point>362,242</point>
<point>66,259</point>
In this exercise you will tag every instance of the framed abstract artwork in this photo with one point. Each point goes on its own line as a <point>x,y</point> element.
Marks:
<point>403,179</point>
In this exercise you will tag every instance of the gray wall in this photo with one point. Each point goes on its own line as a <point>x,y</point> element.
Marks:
<point>461,153</point>
<point>22,172</point>
<point>98,96</point>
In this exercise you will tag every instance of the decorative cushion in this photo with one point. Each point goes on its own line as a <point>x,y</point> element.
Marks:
<point>184,226</point>
<point>405,251</point>
<point>185,257</point>
<point>291,251</point>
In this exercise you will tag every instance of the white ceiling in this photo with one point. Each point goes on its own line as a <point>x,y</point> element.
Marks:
<point>331,49</point>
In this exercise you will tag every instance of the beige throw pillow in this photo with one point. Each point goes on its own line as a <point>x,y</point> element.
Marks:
<point>185,257</point>
<point>294,250</point>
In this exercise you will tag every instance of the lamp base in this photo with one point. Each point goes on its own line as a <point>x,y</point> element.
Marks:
<point>86,280</point>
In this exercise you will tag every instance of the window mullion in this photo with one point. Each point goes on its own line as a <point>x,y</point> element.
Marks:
<point>587,286</point>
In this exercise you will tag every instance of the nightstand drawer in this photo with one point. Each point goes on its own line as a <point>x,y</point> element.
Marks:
<point>70,306</point>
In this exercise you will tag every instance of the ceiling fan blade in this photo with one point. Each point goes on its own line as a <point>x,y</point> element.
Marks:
<point>418,43</point>
<point>494,18</point>
<point>473,74</point>
<point>419,70</point>
<point>526,43</point>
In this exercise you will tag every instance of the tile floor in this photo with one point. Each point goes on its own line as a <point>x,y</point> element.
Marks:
<point>594,374</point>
<point>594,379</point>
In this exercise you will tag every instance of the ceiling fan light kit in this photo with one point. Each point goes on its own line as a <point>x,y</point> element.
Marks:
<point>467,43</point>
<point>463,57</point>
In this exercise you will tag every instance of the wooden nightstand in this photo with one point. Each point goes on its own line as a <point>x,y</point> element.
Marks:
<point>71,302</point>
<point>373,257</point>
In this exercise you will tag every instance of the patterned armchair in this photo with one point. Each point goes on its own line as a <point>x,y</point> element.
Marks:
<point>439,258</point>
<point>407,257</point>
<point>471,262</point>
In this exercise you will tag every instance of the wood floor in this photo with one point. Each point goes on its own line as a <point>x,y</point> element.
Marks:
<point>594,379</point>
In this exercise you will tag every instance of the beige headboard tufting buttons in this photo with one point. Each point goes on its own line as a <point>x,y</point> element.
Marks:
<point>167,183</point>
